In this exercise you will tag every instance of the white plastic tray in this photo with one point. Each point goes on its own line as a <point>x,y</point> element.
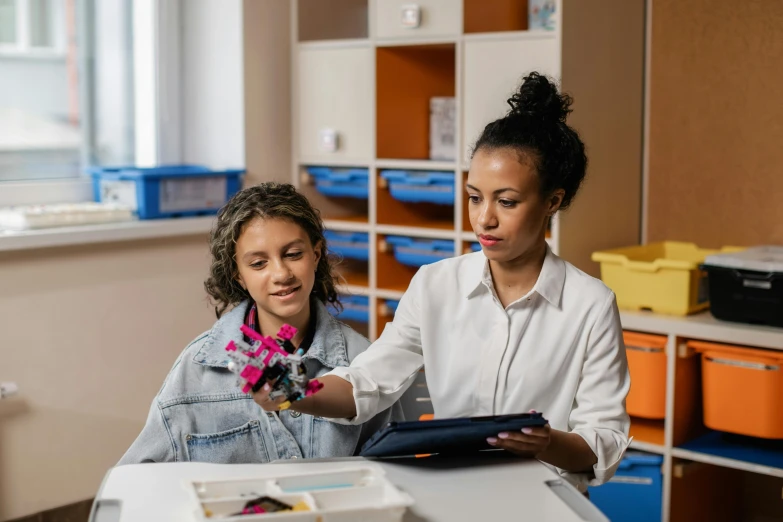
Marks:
<point>361,494</point>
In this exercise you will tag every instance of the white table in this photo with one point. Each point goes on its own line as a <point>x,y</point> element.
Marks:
<point>444,489</point>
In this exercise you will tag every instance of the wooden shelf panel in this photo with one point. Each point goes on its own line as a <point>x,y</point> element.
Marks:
<point>705,327</point>
<point>393,275</point>
<point>332,19</point>
<point>647,431</point>
<point>700,491</point>
<point>487,16</point>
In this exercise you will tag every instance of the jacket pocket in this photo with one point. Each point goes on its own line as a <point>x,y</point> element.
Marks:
<point>329,439</point>
<point>241,445</point>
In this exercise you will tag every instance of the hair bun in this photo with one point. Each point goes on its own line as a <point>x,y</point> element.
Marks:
<point>538,98</point>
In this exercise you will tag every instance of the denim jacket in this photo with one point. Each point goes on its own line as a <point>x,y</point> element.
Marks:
<point>201,415</point>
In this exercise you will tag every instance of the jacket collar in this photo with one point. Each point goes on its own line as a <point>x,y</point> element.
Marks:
<point>328,345</point>
<point>549,284</point>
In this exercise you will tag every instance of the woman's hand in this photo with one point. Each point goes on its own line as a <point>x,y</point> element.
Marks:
<point>262,399</point>
<point>529,442</point>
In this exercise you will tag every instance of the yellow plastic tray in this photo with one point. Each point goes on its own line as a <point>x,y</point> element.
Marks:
<point>663,277</point>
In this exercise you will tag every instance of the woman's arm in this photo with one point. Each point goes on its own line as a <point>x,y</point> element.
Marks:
<point>377,377</point>
<point>567,451</point>
<point>334,400</point>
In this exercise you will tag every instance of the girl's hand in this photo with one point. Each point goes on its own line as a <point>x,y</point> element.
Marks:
<point>528,442</point>
<point>262,399</point>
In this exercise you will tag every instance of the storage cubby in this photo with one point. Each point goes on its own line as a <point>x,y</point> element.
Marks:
<point>355,312</point>
<point>335,207</point>
<point>407,77</point>
<point>353,272</point>
<point>332,19</point>
<point>394,211</point>
<point>693,436</point>
<point>701,491</point>
<point>392,275</point>
<point>489,16</point>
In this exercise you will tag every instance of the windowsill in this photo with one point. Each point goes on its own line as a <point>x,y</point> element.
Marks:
<point>104,233</point>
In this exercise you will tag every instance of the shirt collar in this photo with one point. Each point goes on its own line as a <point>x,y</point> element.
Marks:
<point>328,345</point>
<point>549,284</point>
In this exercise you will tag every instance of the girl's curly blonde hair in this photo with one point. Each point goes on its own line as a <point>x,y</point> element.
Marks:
<point>267,200</point>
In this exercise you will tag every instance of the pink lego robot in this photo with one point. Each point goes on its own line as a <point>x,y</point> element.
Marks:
<point>268,360</point>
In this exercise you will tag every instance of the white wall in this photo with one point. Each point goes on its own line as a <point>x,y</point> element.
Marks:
<point>88,333</point>
<point>212,85</point>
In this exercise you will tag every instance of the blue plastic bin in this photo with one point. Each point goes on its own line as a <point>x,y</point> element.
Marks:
<point>419,252</point>
<point>350,245</point>
<point>166,191</point>
<point>475,246</point>
<point>355,308</point>
<point>341,182</point>
<point>635,493</point>
<point>420,186</point>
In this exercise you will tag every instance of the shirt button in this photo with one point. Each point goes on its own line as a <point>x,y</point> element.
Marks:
<point>188,437</point>
<point>295,414</point>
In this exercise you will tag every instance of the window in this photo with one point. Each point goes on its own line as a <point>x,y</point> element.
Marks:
<point>66,95</point>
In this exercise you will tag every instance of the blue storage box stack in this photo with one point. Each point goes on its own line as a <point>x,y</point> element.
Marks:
<point>475,246</point>
<point>418,252</point>
<point>166,191</point>
<point>419,186</point>
<point>635,493</point>
<point>341,182</point>
<point>350,245</point>
<point>355,308</point>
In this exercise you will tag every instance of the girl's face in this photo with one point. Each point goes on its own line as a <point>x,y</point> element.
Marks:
<point>506,209</point>
<point>276,264</point>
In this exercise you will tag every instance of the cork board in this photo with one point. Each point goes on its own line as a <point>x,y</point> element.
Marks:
<point>716,122</point>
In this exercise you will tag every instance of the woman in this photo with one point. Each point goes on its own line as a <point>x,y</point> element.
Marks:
<point>512,328</point>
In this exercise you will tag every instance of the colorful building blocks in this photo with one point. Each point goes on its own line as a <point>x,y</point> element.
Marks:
<point>273,361</point>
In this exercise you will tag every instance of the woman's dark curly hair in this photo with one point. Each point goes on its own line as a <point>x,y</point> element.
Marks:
<point>536,127</point>
<point>267,200</point>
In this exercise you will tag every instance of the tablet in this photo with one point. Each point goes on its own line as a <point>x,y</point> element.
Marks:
<point>455,436</point>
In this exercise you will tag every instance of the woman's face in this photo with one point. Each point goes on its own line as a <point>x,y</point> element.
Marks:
<point>276,264</point>
<point>507,211</point>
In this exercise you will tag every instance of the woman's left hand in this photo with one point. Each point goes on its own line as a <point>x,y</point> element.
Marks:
<point>526,443</point>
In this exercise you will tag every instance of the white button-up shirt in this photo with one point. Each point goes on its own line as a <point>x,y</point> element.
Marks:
<point>557,350</point>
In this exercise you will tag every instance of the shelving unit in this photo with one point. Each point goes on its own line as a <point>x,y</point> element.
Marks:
<point>700,463</point>
<point>358,72</point>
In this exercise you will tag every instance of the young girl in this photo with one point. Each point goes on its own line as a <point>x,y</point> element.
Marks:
<point>270,263</point>
<point>512,328</point>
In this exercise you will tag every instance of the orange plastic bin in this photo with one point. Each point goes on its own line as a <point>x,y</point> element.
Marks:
<point>647,365</point>
<point>742,389</point>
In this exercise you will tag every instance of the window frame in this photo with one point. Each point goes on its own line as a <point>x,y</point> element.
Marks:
<point>157,122</point>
